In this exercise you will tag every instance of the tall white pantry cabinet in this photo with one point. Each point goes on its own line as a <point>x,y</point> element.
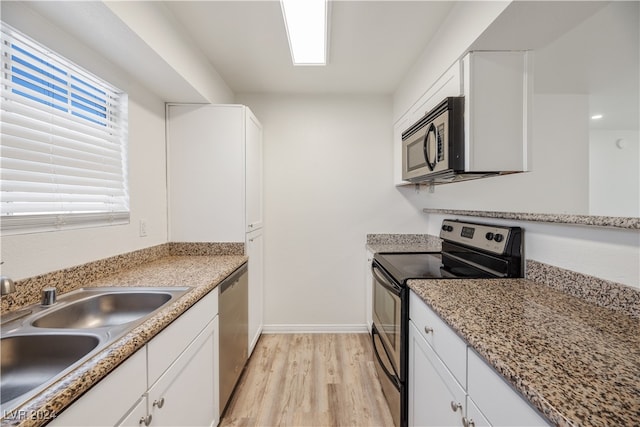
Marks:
<point>214,174</point>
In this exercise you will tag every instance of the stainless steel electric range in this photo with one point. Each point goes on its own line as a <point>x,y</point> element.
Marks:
<point>469,251</point>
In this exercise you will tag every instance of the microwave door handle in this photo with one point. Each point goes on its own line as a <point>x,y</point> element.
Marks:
<point>425,147</point>
<point>385,282</point>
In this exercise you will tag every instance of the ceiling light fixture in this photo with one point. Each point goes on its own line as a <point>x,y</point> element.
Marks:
<point>306,23</point>
<point>596,117</point>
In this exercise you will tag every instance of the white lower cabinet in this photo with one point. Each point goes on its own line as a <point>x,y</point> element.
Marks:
<point>137,416</point>
<point>184,395</point>
<point>171,381</point>
<point>499,402</point>
<point>450,385</point>
<point>435,397</point>
<point>111,398</point>
<point>255,252</point>
<point>475,418</point>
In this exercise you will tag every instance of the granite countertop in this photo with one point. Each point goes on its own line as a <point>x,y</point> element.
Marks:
<point>202,272</point>
<point>403,243</point>
<point>578,363</point>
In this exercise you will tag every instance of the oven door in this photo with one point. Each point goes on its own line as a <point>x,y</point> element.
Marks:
<point>392,388</point>
<point>387,315</point>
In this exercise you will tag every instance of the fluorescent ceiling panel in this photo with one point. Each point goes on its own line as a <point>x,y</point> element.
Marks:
<point>306,23</point>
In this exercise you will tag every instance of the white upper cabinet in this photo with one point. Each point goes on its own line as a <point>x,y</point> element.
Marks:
<point>253,163</point>
<point>497,87</point>
<point>214,163</point>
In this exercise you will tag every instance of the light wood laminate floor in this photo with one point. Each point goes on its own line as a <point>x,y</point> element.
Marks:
<point>309,380</point>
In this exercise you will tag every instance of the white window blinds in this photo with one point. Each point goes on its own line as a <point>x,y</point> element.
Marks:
<point>63,152</point>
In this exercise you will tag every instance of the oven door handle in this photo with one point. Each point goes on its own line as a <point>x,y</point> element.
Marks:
<point>382,279</point>
<point>392,376</point>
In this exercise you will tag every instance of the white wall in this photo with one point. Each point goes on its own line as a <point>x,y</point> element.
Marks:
<point>328,175</point>
<point>614,172</point>
<point>32,254</point>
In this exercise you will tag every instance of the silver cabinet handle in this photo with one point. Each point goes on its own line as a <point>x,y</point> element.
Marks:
<point>468,422</point>
<point>455,406</point>
<point>428,330</point>
<point>159,403</point>
<point>145,420</point>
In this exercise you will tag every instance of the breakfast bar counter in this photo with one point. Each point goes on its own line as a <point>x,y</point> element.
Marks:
<point>576,362</point>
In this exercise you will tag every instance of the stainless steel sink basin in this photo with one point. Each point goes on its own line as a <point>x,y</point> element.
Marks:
<point>29,361</point>
<point>108,309</point>
<point>44,343</point>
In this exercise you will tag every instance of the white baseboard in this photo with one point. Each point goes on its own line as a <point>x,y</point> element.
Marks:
<point>314,329</point>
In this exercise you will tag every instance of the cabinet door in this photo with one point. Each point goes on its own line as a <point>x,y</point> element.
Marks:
<point>501,404</point>
<point>256,283</point>
<point>253,159</point>
<point>497,90</point>
<point>137,416</point>
<point>475,418</point>
<point>205,173</point>
<point>185,394</point>
<point>109,400</point>
<point>435,397</point>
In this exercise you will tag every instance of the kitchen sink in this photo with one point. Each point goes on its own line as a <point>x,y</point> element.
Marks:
<point>28,361</point>
<point>104,309</point>
<point>41,344</point>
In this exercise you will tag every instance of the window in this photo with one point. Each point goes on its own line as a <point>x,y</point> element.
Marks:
<point>64,142</point>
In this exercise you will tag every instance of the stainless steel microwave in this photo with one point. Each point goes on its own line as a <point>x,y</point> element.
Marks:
<point>434,147</point>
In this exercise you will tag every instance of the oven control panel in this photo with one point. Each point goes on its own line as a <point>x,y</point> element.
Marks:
<point>489,238</point>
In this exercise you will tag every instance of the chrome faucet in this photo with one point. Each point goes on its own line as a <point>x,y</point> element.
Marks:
<point>6,286</point>
<point>48,296</point>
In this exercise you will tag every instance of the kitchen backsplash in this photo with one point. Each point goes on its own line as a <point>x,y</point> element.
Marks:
<point>597,291</point>
<point>403,242</point>
<point>28,290</point>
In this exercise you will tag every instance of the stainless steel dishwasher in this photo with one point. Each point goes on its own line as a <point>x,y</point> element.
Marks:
<point>234,331</point>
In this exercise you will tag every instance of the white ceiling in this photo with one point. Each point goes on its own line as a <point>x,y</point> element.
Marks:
<point>372,43</point>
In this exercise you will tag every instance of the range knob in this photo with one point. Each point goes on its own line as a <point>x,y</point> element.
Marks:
<point>498,237</point>
<point>489,236</point>
<point>447,228</point>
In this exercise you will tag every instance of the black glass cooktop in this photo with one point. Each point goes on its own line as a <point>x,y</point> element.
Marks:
<point>414,265</point>
<point>423,265</point>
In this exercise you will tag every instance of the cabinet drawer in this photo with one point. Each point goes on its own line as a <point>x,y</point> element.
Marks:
<point>165,348</point>
<point>185,394</point>
<point>435,396</point>
<point>446,343</point>
<point>498,401</point>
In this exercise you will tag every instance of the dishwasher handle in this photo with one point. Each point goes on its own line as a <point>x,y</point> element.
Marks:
<point>233,278</point>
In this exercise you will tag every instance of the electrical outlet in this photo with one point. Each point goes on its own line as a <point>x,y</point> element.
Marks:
<point>143,228</point>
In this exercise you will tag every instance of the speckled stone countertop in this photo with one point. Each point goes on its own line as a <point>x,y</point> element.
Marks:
<point>201,272</point>
<point>403,243</point>
<point>590,220</point>
<point>578,363</point>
